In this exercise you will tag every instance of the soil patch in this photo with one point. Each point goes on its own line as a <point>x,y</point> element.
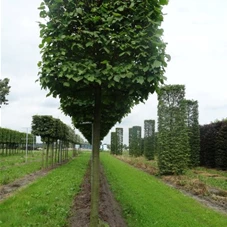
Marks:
<point>109,209</point>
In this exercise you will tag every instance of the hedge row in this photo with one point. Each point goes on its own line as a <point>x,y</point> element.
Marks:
<point>213,145</point>
<point>11,141</point>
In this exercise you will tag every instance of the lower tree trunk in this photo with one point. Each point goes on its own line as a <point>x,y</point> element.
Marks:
<point>94,216</point>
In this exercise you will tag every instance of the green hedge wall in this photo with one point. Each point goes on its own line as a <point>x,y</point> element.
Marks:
<point>213,148</point>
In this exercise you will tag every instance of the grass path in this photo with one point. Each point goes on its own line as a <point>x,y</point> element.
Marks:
<point>47,201</point>
<point>146,201</point>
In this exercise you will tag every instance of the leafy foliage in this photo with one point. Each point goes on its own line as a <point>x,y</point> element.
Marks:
<point>172,130</point>
<point>149,139</point>
<point>4,91</point>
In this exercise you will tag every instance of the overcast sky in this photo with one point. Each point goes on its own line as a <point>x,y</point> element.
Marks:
<point>196,33</point>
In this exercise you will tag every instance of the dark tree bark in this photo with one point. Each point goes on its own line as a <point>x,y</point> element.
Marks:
<point>94,216</point>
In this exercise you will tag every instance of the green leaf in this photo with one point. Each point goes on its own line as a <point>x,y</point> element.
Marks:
<point>39,64</point>
<point>89,44</point>
<point>117,14</point>
<point>91,78</point>
<point>150,78</point>
<point>77,79</point>
<point>164,2</point>
<point>117,78</point>
<point>107,51</point>
<point>79,11</point>
<point>66,84</point>
<point>140,80</point>
<point>145,69</point>
<point>156,64</point>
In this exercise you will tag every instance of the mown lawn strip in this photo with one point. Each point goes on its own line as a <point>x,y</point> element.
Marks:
<point>146,201</point>
<point>47,201</point>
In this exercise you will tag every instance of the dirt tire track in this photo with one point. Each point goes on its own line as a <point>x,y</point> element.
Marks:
<point>109,209</point>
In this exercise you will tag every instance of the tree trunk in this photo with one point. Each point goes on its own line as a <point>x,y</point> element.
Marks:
<point>94,216</point>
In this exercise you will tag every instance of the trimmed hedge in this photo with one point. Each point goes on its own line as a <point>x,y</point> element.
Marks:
<point>213,145</point>
<point>135,141</point>
<point>173,143</point>
<point>149,139</point>
<point>193,131</point>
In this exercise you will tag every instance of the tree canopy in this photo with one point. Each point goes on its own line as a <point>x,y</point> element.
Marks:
<point>115,45</point>
<point>4,91</point>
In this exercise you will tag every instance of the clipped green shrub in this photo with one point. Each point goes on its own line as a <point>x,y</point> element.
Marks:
<point>135,145</point>
<point>149,139</point>
<point>193,131</point>
<point>173,143</point>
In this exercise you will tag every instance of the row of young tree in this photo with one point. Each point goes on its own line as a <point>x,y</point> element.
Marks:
<point>57,136</point>
<point>213,144</point>
<point>14,142</point>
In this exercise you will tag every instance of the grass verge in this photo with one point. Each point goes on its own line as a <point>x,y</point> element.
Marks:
<point>146,201</point>
<point>47,201</point>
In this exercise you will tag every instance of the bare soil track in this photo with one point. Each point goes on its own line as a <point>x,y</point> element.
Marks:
<point>109,209</point>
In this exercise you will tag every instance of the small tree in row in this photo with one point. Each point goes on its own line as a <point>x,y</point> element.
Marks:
<point>56,135</point>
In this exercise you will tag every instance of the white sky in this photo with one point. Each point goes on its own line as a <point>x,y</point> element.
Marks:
<point>196,33</point>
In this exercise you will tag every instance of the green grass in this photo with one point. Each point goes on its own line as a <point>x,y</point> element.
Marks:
<point>146,201</point>
<point>47,201</point>
<point>13,167</point>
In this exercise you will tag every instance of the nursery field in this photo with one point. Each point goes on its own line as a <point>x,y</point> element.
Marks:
<point>147,201</point>
<point>47,201</point>
<point>144,200</point>
<point>16,166</point>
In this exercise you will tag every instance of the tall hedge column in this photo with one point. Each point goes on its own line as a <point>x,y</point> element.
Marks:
<point>119,134</point>
<point>173,134</point>
<point>149,139</point>
<point>193,131</point>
